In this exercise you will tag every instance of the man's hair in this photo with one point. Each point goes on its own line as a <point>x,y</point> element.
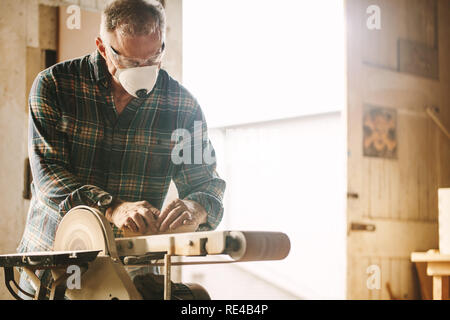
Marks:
<point>134,18</point>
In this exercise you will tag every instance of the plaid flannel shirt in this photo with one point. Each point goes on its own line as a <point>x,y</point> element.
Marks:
<point>81,149</point>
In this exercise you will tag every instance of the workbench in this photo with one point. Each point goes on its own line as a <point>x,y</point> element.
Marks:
<point>438,267</point>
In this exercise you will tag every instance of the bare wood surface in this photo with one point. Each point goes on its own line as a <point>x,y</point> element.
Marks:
<point>438,122</point>
<point>440,288</point>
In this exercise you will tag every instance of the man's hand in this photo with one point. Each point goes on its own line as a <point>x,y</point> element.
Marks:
<point>181,216</point>
<point>139,217</point>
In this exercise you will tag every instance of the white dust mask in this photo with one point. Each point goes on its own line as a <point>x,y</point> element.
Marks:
<point>138,82</point>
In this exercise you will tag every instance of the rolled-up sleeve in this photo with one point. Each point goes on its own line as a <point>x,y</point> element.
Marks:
<point>197,179</point>
<point>48,150</point>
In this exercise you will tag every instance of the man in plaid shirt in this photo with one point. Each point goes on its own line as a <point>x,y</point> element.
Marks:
<point>95,134</point>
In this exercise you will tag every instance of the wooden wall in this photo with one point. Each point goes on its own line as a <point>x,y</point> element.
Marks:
<point>25,33</point>
<point>393,74</point>
<point>27,29</point>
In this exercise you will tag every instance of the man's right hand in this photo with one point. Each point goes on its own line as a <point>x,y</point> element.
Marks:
<point>139,217</point>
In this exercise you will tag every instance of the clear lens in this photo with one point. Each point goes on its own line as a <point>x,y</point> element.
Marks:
<point>125,62</point>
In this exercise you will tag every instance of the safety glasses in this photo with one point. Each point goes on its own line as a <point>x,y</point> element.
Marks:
<point>126,62</point>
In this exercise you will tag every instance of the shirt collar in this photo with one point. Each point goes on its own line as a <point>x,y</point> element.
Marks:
<point>100,70</point>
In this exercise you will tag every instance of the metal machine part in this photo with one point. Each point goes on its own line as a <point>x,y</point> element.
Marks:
<point>43,260</point>
<point>84,237</point>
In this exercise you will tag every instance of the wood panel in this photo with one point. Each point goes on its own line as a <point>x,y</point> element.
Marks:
<point>397,274</point>
<point>396,195</point>
<point>412,20</point>
<point>357,278</point>
<point>404,189</point>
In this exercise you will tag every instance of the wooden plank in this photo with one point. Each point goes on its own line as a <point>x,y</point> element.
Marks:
<point>440,288</point>
<point>429,256</point>
<point>444,220</point>
<point>438,268</point>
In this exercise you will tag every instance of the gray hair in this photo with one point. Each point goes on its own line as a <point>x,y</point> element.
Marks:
<point>134,18</point>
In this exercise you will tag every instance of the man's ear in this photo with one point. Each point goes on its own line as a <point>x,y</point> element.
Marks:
<point>100,47</point>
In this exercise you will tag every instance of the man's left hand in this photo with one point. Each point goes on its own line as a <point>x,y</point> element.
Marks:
<point>181,216</point>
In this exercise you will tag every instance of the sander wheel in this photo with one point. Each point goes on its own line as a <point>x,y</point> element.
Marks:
<point>80,229</point>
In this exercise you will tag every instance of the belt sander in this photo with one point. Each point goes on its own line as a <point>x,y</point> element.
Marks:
<point>84,238</point>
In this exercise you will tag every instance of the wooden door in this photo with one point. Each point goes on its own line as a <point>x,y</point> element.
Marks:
<point>397,157</point>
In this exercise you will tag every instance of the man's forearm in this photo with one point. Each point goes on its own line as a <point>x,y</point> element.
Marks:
<point>49,153</point>
<point>61,189</point>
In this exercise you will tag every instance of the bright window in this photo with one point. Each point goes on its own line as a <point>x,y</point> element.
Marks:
<point>253,60</point>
